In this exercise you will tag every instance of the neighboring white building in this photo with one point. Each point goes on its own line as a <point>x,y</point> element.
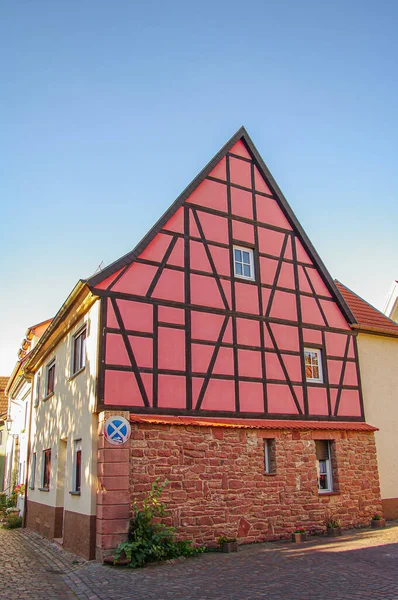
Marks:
<point>18,391</point>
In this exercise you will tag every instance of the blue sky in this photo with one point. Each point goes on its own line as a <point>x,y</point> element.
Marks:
<point>109,108</point>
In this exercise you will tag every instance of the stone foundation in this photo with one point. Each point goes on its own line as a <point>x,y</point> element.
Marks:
<point>390,508</point>
<point>79,534</point>
<point>46,520</point>
<point>217,485</point>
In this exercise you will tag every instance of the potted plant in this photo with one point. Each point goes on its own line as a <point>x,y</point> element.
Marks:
<point>299,536</point>
<point>377,521</point>
<point>333,527</point>
<point>228,544</point>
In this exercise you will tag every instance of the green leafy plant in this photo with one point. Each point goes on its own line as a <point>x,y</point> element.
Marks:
<point>148,539</point>
<point>376,517</point>
<point>332,523</point>
<point>3,500</point>
<point>225,540</point>
<point>13,521</point>
<point>299,531</point>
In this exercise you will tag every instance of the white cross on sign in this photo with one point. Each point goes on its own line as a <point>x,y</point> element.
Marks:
<point>117,430</point>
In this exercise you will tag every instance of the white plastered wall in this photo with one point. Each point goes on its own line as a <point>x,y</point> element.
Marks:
<point>66,416</point>
<point>378,359</point>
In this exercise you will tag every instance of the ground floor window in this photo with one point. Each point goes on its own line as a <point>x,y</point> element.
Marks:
<point>77,471</point>
<point>269,456</point>
<point>33,472</point>
<point>324,465</point>
<point>46,468</point>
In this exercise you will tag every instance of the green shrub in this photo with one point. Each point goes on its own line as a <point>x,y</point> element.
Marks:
<point>13,521</point>
<point>3,500</point>
<point>149,540</point>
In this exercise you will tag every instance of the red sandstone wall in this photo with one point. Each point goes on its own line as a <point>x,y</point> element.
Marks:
<point>217,484</point>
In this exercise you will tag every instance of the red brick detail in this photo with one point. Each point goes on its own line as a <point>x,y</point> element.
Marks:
<point>217,484</point>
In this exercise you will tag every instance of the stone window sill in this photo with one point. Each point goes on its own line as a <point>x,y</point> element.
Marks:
<point>329,493</point>
<point>77,373</point>
<point>44,489</point>
<point>270,474</point>
<point>74,493</point>
<point>48,396</point>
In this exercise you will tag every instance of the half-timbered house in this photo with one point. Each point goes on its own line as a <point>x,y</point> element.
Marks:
<point>224,341</point>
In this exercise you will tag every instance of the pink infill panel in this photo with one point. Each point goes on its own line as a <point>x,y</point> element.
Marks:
<point>270,242</point>
<point>156,249</point>
<point>317,282</point>
<point>240,149</point>
<point>107,282</point>
<point>111,320</point>
<point>205,326</point>
<point>298,390</point>
<point>303,281</point>
<point>171,348</point>
<point>240,172</point>
<point>171,315</point>
<point>270,213</point>
<point>248,332</point>
<point>351,353</point>
<point>302,255</point>
<point>224,364</point>
<point>220,170</point>
<point>205,292</point>
<point>143,351</point>
<point>220,395</point>
<point>259,182</point>
<point>220,258</point>
<point>273,367</point>
<point>170,286</point>
<point>215,228</point>
<point>286,337</point>
<point>176,222</point>
<point>268,267</point>
<point>334,315</point>
<point>121,389</point>
<point>210,194</point>
<point>242,232</point>
<point>317,401</point>
<point>136,316</point>
<point>241,203</point>
<point>350,375</point>
<point>310,311</point>
<point>335,343</point>
<point>201,357</point>
<point>284,306</point>
<point>193,228</point>
<point>171,391</point>
<point>350,405</point>
<point>312,336</point>
<point>286,276</point>
<point>288,250</point>
<point>198,257</point>
<point>280,400</point>
<point>334,371</point>
<point>251,397</point>
<point>116,353</point>
<point>246,296</point>
<point>249,363</point>
<point>136,280</point>
<point>293,366</point>
<point>177,255</point>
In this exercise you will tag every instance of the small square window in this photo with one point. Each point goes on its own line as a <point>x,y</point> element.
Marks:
<point>243,263</point>
<point>79,351</point>
<point>313,365</point>
<point>50,378</point>
<point>324,466</point>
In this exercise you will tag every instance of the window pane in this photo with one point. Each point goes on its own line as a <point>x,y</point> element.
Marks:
<point>246,271</point>
<point>246,257</point>
<point>307,358</point>
<point>315,372</point>
<point>238,255</point>
<point>238,269</point>
<point>308,371</point>
<point>314,358</point>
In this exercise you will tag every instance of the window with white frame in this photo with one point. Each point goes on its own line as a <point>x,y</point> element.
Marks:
<point>313,365</point>
<point>33,472</point>
<point>37,395</point>
<point>50,377</point>
<point>79,351</point>
<point>77,466</point>
<point>46,468</point>
<point>324,465</point>
<point>243,262</point>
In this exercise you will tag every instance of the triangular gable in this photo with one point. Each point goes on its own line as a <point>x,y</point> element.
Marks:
<point>241,145</point>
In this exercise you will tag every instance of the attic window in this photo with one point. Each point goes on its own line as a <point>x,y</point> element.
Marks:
<point>243,263</point>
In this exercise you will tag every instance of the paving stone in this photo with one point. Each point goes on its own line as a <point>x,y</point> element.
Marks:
<point>359,566</point>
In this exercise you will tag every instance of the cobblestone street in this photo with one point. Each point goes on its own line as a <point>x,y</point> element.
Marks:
<point>361,565</point>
